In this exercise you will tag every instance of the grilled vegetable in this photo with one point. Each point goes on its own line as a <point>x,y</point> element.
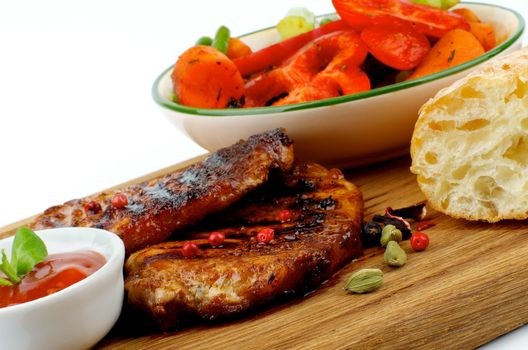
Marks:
<point>204,77</point>
<point>454,48</point>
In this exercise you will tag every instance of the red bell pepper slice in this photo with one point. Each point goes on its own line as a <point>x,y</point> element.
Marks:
<point>399,47</point>
<point>275,54</point>
<point>427,19</point>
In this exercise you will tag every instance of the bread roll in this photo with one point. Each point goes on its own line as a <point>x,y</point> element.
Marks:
<point>470,144</point>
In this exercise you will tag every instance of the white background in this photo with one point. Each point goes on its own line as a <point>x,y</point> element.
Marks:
<point>76,114</point>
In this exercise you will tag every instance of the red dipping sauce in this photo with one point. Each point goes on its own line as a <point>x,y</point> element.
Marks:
<point>55,273</point>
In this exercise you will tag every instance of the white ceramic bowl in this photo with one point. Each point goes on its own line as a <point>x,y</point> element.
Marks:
<point>76,317</point>
<point>344,131</point>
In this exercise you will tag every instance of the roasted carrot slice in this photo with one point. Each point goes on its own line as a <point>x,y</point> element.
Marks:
<point>236,49</point>
<point>454,48</point>
<point>206,78</point>
<point>467,14</point>
<point>482,31</point>
<point>485,34</point>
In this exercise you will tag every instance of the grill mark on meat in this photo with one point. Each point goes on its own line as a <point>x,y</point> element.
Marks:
<point>305,252</point>
<point>157,208</point>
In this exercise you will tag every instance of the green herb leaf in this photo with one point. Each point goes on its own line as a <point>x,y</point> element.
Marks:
<point>28,250</point>
<point>4,282</point>
<point>8,269</point>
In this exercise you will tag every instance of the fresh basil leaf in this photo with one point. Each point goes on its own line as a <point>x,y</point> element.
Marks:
<point>4,282</point>
<point>8,269</point>
<point>28,250</point>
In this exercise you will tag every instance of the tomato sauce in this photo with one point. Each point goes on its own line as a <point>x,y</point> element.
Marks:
<point>55,273</point>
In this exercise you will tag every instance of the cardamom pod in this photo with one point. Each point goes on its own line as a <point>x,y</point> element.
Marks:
<point>390,233</point>
<point>364,281</point>
<point>394,255</point>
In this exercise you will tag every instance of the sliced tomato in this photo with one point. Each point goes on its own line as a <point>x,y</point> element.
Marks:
<point>396,46</point>
<point>275,54</point>
<point>429,20</point>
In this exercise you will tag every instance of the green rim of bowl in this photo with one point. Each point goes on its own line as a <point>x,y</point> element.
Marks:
<point>229,112</point>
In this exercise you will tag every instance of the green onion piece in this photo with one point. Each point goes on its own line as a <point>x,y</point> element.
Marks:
<point>291,26</point>
<point>221,39</point>
<point>433,3</point>
<point>205,40</point>
<point>298,20</point>
<point>446,4</point>
<point>326,21</point>
<point>441,4</point>
<point>308,15</point>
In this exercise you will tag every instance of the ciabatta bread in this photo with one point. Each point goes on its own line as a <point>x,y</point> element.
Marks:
<point>470,143</point>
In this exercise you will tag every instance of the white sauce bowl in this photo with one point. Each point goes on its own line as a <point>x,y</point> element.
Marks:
<point>78,316</point>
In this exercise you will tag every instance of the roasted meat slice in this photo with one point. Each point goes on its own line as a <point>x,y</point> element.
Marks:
<point>321,235</point>
<point>161,206</point>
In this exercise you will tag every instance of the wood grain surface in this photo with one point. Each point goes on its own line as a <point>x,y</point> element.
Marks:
<point>467,288</point>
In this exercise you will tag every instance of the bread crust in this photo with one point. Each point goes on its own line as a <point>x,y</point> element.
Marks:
<point>470,143</point>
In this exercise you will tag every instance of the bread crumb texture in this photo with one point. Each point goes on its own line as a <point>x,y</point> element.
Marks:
<point>470,144</point>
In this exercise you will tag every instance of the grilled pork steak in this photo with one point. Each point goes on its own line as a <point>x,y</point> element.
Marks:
<point>159,207</point>
<point>322,236</point>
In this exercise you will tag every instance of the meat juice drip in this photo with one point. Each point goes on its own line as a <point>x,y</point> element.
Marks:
<point>55,273</point>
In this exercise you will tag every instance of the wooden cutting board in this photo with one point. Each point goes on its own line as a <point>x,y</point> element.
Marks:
<point>469,287</point>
